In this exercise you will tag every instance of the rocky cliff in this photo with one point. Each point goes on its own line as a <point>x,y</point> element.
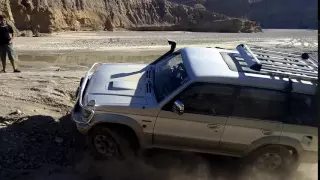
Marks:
<point>56,15</point>
<point>284,14</point>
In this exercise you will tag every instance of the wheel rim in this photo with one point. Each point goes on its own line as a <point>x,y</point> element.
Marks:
<point>105,145</point>
<point>269,161</point>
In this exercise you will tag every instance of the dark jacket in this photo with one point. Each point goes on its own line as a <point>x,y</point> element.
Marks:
<point>6,33</point>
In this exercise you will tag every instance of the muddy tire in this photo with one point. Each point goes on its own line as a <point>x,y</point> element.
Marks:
<point>109,143</point>
<point>273,159</point>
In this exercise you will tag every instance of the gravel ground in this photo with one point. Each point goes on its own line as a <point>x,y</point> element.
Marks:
<point>38,139</point>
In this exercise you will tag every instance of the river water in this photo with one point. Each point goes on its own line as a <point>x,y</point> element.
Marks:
<point>31,61</point>
<point>82,49</point>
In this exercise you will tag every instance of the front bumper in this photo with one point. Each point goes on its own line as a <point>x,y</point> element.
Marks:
<point>82,126</point>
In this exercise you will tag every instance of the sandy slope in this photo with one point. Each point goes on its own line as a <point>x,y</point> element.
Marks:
<point>37,138</point>
<point>46,92</point>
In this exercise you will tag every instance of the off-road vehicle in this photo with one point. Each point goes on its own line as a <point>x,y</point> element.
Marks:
<point>255,103</point>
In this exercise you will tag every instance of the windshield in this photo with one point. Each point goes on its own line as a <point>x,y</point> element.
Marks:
<point>170,74</point>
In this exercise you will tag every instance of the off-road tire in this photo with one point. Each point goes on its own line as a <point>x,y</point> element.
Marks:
<point>124,148</point>
<point>288,165</point>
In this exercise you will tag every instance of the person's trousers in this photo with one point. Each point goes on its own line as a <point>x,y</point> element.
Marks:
<point>5,50</point>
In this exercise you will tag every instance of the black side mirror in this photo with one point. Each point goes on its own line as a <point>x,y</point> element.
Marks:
<point>178,107</point>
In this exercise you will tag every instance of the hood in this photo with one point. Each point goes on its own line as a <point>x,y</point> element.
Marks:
<point>121,85</point>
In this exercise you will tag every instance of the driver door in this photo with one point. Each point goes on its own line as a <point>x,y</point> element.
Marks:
<point>199,128</point>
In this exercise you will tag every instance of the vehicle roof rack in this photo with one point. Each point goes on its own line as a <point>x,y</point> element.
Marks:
<point>282,64</point>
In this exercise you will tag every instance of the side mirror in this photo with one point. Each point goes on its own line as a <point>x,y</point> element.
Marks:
<point>178,107</point>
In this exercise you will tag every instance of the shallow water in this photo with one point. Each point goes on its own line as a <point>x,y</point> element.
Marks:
<point>85,59</point>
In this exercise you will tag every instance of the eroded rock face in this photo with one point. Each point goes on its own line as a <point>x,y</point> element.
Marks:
<point>56,15</point>
<point>5,8</point>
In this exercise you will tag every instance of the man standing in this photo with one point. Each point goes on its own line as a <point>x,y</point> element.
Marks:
<point>6,37</point>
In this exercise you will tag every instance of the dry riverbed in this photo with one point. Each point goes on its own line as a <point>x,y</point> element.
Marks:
<point>39,141</point>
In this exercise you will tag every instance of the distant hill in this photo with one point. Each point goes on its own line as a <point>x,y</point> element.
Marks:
<point>278,14</point>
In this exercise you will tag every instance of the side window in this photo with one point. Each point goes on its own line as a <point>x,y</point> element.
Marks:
<point>260,104</point>
<point>302,110</point>
<point>219,98</point>
<point>208,99</point>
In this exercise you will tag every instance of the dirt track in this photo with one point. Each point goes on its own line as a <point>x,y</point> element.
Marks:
<point>39,141</point>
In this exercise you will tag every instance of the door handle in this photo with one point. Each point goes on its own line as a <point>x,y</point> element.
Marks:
<point>267,132</point>
<point>146,121</point>
<point>213,126</point>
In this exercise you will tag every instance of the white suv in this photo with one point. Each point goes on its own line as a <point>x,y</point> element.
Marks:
<point>254,103</point>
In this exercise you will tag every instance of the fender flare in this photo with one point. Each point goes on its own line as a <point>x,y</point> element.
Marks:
<point>121,120</point>
<point>275,140</point>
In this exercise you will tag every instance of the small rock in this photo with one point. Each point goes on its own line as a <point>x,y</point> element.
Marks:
<point>58,140</point>
<point>17,112</point>
<point>34,110</point>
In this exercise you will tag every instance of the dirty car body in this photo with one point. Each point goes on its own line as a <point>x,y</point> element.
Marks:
<point>190,100</point>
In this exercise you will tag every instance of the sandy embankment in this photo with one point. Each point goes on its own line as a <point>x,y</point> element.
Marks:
<point>35,128</point>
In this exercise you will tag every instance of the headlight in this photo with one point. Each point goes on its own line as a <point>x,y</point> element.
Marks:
<point>86,113</point>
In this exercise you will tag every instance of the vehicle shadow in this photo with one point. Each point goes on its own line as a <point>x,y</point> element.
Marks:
<point>41,147</point>
<point>31,142</point>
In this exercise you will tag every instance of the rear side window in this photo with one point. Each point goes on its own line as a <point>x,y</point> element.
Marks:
<point>260,104</point>
<point>303,110</point>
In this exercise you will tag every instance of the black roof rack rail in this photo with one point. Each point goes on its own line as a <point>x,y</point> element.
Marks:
<point>285,64</point>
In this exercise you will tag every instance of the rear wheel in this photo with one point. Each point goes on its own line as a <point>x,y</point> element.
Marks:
<point>108,143</point>
<point>273,159</point>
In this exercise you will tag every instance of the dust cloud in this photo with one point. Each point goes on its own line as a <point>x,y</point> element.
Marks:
<point>171,166</point>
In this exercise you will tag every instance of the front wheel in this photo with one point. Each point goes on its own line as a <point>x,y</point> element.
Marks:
<point>107,143</point>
